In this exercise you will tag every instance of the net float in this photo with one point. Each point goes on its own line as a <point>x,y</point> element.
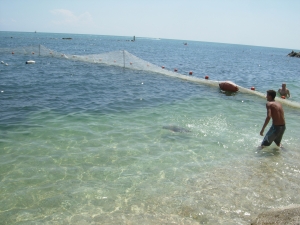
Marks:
<point>228,86</point>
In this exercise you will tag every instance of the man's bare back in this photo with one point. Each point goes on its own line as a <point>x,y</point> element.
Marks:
<point>276,111</point>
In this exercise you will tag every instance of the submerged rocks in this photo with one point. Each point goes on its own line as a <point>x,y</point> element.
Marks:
<point>285,215</point>
<point>176,129</point>
<point>294,54</point>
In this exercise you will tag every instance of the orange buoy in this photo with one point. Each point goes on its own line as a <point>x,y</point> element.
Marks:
<point>175,70</point>
<point>253,88</point>
<point>283,97</point>
<point>206,77</point>
<point>228,86</point>
<point>190,73</point>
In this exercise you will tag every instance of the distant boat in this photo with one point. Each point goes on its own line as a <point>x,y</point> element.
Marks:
<point>30,62</point>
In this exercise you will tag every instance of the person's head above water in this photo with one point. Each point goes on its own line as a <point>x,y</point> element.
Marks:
<point>271,94</point>
<point>283,85</point>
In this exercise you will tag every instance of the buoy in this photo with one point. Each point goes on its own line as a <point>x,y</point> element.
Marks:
<point>163,67</point>
<point>190,73</point>
<point>6,64</point>
<point>2,62</point>
<point>253,88</point>
<point>12,53</point>
<point>32,53</point>
<point>175,70</point>
<point>130,63</point>
<point>228,86</point>
<point>206,77</point>
<point>30,62</point>
<point>283,97</point>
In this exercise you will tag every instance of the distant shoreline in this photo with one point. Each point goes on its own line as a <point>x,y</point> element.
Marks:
<point>151,37</point>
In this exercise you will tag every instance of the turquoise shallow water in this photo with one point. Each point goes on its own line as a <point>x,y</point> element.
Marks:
<point>84,143</point>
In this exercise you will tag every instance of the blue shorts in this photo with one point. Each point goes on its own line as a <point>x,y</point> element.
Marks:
<point>275,134</point>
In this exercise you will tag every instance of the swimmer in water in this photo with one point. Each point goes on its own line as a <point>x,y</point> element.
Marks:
<point>283,91</point>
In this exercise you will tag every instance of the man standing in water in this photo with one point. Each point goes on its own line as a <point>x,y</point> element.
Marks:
<point>274,111</point>
<point>283,91</point>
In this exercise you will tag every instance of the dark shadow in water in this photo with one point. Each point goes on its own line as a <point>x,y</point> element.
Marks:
<point>175,128</point>
<point>176,133</point>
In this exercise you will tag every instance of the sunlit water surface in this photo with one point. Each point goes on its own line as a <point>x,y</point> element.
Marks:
<point>84,143</point>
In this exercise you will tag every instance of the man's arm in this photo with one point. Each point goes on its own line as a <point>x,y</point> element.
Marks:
<point>288,93</point>
<point>269,116</point>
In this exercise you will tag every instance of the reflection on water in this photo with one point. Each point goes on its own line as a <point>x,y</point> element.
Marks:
<point>86,169</point>
<point>88,144</point>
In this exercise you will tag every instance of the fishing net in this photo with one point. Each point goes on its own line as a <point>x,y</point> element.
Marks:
<point>127,60</point>
<point>120,58</point>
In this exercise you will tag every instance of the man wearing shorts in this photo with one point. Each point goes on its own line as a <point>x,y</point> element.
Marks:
<point>274,111</point>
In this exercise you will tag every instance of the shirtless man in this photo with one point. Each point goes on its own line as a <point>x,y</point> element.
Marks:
<point>284,91</point>
<point>274,111</point>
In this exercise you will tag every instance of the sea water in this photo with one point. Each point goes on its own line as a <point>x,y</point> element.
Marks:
<point>84,143</point>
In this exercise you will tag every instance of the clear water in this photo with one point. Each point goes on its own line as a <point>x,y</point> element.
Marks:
<point>84,143</point>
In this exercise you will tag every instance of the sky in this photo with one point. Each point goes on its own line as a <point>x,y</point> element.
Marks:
<point>269,23</point>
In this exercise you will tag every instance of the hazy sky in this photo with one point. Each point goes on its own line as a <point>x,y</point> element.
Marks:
<point>273,23</point>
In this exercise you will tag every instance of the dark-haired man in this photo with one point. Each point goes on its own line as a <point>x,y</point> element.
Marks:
<point>274,111</point>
